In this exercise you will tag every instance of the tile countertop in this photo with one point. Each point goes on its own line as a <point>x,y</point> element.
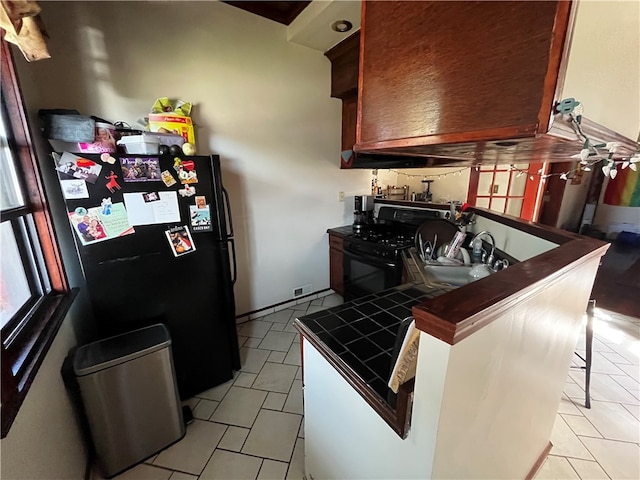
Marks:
<point>362,333</point>
<point>341,231</point>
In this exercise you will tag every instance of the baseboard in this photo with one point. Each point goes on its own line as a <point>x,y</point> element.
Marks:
<point>539,462</point>
<point>245,317</point>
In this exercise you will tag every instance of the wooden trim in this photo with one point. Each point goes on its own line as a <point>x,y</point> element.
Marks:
<point>536,466</point>
<point>455,316</point>
<point>472,191</point>
<point>30,352</point>
<point>24,348</point>
<point>363,21</point>
<point>564,61</point>
<point>34,189</point>
<point>399,419</point>
<point>343,47</point>
<point>562,129</point>
<point>344,70</point>
<point>531,199</point>
<point>506,133</point>
<point>555,63</point>
<point>554,189</point>
<point>246,314</point>
<point>301,359</point>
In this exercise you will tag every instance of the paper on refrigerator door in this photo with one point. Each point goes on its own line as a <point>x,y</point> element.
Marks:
<point>141,212</point>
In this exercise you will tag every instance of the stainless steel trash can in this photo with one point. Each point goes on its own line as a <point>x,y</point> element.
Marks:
<point>129,392</point>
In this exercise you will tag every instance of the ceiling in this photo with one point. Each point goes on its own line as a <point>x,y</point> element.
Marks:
<point>309,23</point>
<point>281,12</point>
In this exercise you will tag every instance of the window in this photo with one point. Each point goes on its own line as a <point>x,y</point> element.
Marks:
<point>34,293</point>
<point>506,190</point>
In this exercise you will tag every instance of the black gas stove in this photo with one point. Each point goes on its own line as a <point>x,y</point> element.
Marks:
<point>383,242</point>
<point>394,230</point>
<point>372,257</point>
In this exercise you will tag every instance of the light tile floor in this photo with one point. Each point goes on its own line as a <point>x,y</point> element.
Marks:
<point>602,442</point>
<point>251,427</point>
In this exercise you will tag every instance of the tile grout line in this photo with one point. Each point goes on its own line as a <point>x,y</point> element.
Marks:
<point>590,423</point>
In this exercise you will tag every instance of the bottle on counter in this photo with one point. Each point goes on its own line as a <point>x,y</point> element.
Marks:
<point>477,250</point>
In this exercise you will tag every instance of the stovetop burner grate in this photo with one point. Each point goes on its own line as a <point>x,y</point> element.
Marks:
<point>384,236</point>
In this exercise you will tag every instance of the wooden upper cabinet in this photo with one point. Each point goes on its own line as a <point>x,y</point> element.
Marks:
<point>344,66</point>
<point>448,72</point>
<point>344,85</point>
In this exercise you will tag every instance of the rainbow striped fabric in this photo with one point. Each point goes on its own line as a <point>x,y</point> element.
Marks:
<point>624,190</point>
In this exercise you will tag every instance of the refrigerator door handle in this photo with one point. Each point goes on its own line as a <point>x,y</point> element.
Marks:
<point>228,209</point>
<point>233,257</point>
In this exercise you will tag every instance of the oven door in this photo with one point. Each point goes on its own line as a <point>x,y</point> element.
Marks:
<point>365,274</point>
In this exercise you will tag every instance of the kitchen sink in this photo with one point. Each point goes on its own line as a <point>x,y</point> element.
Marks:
<point>455,275</point>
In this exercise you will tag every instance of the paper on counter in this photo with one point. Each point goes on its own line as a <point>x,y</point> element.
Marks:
<point>140,212</point>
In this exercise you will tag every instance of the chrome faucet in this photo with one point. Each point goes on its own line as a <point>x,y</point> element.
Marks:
<point>489,260</point>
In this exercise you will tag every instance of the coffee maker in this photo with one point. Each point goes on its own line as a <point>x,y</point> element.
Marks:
<point>362,212</point>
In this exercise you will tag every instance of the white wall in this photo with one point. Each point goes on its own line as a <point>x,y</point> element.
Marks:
<point>573,202</point>
<point>612,220</point>
<point>451,186</point>
<point>44,441</point>
<point>346,439</point>
<point>603,71</point>
<point>261,103</point>
<point>520,245</point>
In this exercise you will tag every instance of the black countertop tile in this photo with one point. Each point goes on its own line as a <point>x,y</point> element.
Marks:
<point>366,327</point>
<point>350,314</point>
<point>383,338</point>
<point>385,319</point>
<point>363,349</point>
<point>367,308</point>
<point>345,334</point>
<point>341,231</point>
<point>362,333</point>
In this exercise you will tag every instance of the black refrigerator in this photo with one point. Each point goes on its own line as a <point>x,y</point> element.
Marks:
<point>155,240</point>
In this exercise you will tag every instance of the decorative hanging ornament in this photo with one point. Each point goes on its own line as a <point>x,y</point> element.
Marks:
<point>633,167</point>
<point>606,169</point>
<point>567,105</point>
<point>613,173</point>
<point>625,164</point>
<point>563,176</point>
<point>612,146</point>
<point>583,155</point>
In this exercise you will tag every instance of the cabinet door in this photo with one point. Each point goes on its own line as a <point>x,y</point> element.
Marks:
<point>349,114</point>
<point>336,275</point>
<point>448,72</point>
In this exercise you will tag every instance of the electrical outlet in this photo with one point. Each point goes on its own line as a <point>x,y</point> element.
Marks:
<point>341,196</point>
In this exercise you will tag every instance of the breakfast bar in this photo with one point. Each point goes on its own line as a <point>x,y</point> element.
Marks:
<point>492,360</point>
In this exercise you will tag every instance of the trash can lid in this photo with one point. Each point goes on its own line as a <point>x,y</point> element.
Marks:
<point>112,351</point>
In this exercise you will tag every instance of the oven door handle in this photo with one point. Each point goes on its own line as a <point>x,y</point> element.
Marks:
<point>369,258</point>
